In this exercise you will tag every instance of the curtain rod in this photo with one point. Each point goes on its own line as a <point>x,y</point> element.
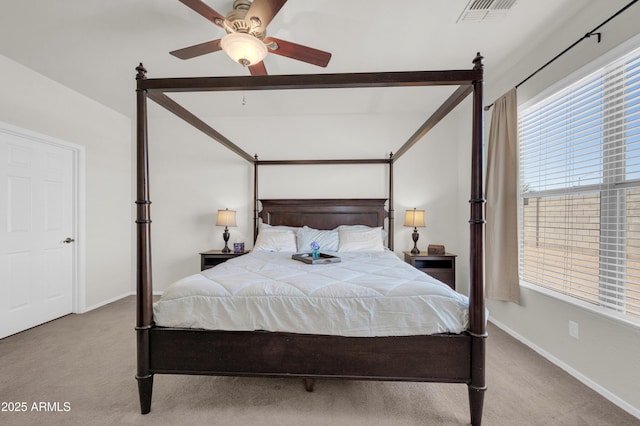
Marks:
<point>593,32</point>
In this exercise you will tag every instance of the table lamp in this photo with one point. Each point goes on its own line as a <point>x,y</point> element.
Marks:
<point>226,218</point>
<point>414,218</point>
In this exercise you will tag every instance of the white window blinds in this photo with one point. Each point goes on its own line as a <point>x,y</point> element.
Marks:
<point>580,189</point>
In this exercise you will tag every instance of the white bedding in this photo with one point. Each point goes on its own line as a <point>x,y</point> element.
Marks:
<point>367,294</point>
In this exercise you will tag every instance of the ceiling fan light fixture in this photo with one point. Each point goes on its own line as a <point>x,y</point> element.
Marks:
<point>244,48</point>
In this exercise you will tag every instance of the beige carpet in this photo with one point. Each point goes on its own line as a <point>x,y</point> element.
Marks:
<point>64,362</point>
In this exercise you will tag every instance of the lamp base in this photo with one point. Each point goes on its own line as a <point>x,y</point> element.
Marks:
<point>415,236</point>
<point>225,237</point>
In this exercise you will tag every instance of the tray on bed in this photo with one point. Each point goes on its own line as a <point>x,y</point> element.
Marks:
<point>307,258</point>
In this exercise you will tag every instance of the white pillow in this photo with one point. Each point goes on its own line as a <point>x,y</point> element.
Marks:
<point>275,240</point>
<point>328,240</point>
<point>382,230</point>
<point>360,239</point>
<point>267,226</point>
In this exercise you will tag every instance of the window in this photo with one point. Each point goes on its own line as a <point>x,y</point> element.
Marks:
<point>580,189</point>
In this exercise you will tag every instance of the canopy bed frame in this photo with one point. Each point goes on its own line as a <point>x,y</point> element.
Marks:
<point>450,358</point>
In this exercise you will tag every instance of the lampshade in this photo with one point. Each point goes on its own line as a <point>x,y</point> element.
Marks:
<point>226,217</point>
<point>414,218</point>
<point>244,48</point>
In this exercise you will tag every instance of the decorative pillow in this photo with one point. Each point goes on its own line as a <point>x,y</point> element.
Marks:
<point>360,239</point>
<point>275,240</point>
<point>328,240</point>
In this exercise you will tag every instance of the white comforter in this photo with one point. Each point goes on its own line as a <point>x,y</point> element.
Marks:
<point>367,294</point>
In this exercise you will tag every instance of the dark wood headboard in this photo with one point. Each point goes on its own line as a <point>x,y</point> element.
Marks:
<point>324,213</point>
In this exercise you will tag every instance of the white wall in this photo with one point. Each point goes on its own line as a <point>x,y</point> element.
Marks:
<point>606,355</point>
<point>191,177</point>
<point>34,102</point>
<point>461,117</point>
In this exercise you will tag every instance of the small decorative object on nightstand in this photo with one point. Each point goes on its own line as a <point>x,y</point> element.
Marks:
<point>211,258</point>
<point>441,267</point>
<point>414,218</point>
<point>226,218</point>
<point>435,249</point>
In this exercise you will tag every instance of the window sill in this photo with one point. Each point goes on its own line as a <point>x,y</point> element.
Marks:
<point>598,310</point>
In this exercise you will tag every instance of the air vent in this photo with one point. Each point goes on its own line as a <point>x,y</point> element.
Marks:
<point>484,10</point>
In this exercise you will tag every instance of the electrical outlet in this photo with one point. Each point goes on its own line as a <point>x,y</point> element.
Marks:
<point>574,330</point>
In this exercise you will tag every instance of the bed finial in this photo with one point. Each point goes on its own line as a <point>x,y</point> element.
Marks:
<point>142,72</point>
<point>478,65</point>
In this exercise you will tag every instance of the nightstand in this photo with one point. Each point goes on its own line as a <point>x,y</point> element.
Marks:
<point>441,267</point>
<point>211,258</point>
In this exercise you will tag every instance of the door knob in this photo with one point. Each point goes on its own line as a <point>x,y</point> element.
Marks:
<point>68,240</point>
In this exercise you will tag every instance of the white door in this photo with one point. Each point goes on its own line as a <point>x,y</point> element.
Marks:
<point>36,218</point>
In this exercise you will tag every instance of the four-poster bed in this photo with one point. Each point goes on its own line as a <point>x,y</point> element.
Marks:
<point>444,357</point>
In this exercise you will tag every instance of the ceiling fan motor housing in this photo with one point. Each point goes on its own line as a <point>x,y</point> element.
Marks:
<point>239,23</point>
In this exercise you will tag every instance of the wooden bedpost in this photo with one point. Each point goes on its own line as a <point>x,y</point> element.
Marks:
<point>477,327</point>
<point>391,210</point>
<point>144,301</point>
<point>255,198</point>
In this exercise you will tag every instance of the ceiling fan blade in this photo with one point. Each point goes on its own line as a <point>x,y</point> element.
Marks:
<point>203,9</point>
<point>258,69</point>
<point>298,51</point>
<point>264,10</point>
<point>197,50</point>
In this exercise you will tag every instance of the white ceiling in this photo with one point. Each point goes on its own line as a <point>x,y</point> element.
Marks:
<point>93,46</point>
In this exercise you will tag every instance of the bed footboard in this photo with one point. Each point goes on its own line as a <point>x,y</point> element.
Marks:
<point>442,358</point>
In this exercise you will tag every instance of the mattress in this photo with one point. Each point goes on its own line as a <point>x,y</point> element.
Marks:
<point>367,294</point>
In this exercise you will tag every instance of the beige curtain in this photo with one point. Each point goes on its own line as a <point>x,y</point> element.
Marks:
<point>502,281</point>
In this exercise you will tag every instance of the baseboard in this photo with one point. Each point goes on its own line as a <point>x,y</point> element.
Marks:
<point>106,302</point>
<point>634,411</point>
<point>115,299</point>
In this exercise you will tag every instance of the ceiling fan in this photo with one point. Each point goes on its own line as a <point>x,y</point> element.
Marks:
<point>246,41</point>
